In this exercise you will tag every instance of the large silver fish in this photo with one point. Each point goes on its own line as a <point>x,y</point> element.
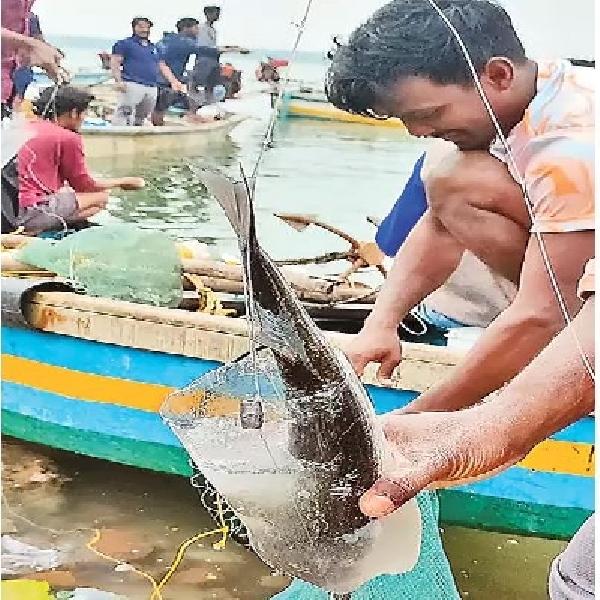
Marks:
<point>305,443</point>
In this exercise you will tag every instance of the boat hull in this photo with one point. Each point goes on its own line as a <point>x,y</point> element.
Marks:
<point>93,381</point>
<point>319,109</point>
<point>109,141</point>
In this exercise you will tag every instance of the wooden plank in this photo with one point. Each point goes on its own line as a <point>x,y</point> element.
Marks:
<point>200,335</point>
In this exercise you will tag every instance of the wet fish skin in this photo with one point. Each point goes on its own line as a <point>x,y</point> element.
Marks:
<point>330,409</point>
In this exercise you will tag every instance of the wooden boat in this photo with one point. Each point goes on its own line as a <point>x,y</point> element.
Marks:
<point>103,141</point>
<point>88,375</point>
<point>314,105</point>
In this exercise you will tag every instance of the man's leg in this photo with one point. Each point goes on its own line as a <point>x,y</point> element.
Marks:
<point>146,104</point>
<point>572,572</point>
<point>165,98</point>
<point>126,103</point>
<point>90,204</point>
<point>477,200</point>
<point>60,209</point>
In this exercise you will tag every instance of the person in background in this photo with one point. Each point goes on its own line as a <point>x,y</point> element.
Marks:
<point>54,157</point>
<point>14,39</point>
<point>205,78</point>
<point>450,448</point>
<point>134,66</point>
<point>174,51</point>
<point>474,295</point>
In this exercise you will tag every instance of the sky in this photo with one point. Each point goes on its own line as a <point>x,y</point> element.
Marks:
<point>547,27</point>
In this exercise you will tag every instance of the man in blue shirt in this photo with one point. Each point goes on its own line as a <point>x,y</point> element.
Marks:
<point>134,65</point>
<point>174,51</point>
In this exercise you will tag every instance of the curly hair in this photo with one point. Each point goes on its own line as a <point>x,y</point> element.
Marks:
<point>408,38</point>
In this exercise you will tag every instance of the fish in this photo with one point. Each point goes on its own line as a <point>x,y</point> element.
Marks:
<point>319,450</point>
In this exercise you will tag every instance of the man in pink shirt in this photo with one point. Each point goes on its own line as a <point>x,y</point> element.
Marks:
<point>15,38</point>
<point>54,157</point>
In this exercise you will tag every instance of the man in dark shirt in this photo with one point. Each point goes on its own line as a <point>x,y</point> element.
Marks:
<point>174,51</point>
<point>134,65</point>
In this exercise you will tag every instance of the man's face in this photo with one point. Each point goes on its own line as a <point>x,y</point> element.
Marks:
<point>74,121</point>
<point>453,112</point>
<point>191,32</point>
<point>213,16</point>
<point>142,29</point>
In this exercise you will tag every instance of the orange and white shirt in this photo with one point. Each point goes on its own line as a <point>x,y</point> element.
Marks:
<point>553,147</point>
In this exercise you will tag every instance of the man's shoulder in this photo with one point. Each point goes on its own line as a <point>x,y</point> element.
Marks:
<point>122,43</point>
<point>565,100</point>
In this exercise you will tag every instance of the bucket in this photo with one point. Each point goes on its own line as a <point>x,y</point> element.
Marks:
<point>463,338</point>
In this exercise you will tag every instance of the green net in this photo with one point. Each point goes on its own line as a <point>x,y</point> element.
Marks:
<point>431,578</point>
<point>117,261</point>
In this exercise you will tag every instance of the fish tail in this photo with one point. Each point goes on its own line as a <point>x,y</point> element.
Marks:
<point>235,198</point>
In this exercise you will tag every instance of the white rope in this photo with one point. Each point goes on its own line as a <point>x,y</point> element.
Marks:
<point>521,181</point>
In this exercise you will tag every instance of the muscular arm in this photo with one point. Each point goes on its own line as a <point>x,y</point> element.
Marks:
<point>522,330</point>
<point>425,261</point>
<point>443,449</point>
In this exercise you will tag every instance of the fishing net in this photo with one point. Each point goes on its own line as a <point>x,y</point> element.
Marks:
<point>273,492</point>
<point>431,578</point>
<point>117,261</point>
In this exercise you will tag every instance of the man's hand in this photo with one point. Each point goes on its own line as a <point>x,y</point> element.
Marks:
<point>178,86</point>
<point>375,344</point>
<point>131,183</point>
<point>47,57</point>
<point>438,450</point>
<point>120,86</point>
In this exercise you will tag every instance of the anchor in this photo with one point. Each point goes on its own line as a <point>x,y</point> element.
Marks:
<point>360,254</point>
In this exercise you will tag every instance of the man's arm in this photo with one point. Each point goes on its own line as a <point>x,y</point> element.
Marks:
<point>425,261</point>
<point>116,61</point>
<point>522,330</point>
<point>40,53</point>
<point>442,449</point>
<point>168,75</point>
<point>73,170</point>
<point>16,40</point>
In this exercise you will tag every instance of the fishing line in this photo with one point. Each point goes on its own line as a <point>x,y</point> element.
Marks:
<point>521,181</point>
<point>268,137</point>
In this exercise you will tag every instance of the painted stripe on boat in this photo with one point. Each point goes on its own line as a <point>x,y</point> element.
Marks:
<point>330,113</point>
<point>123,425</point>
<point>176,371</point>
<point>573,458</point>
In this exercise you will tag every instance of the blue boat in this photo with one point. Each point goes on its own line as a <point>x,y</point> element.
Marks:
<point>88,375</point>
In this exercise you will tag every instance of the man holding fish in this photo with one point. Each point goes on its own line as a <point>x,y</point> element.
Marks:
<point>459,72</point>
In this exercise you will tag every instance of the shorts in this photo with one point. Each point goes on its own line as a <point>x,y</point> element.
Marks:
<point>51,213</point>
<point>572,572</point>
<point>166,98</point>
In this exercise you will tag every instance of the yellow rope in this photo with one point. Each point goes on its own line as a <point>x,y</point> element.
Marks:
<point>179,556</point>
<point>210,302</point>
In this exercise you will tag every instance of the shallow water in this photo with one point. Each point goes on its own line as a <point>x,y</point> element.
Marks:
<point>145,516</point>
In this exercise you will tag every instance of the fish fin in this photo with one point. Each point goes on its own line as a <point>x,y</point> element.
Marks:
<point>223,189</point>
<point>280,334</point>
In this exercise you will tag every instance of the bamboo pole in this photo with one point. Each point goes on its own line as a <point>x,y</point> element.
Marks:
<point>224,278</point>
